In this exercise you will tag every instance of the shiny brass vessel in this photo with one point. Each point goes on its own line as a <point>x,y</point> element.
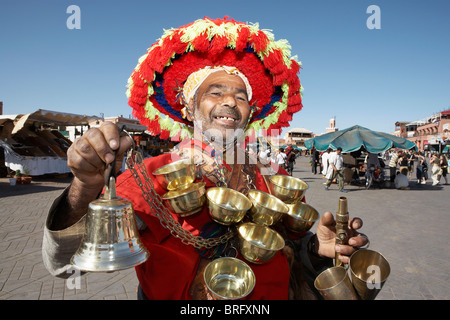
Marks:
<point>287,188</point>
<point>300,217</point>
<point>227,206</point>
<point>229,278</point>
<point>369,271</point>
<point>186,201</point>
<point>334,284</point>
<point>266,209</point>
<point>257,243</point>
<point>178,172</point>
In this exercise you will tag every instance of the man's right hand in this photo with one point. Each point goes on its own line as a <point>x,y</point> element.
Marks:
<point>87,158</point>
<point>89,154</point>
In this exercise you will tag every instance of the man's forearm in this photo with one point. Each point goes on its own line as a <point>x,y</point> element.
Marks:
<point>76,205</point>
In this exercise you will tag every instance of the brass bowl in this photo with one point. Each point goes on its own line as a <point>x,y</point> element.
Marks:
<point>287,188</point>
<point>227,206</point>
<point>266,209</point>
<point>229,278</point>
<point>258,244</point>
<point>301,217</point>
<point>182,170</point>
<point>187,201</point>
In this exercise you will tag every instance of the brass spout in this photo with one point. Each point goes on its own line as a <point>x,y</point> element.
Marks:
<point>342,217</point>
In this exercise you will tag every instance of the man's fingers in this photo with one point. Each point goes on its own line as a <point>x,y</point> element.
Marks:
<point>125,144</point>
<point>77,162</point>
<point>94,148</point>
<point>355,223</point>
<point>111,134</point>
<point>361,240</point>
<point>327,219</point>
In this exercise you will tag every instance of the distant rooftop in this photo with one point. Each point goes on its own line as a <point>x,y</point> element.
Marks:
<point>300,130</point>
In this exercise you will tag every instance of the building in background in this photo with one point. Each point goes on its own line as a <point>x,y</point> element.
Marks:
<point>297,137</point>
<point>429,134</point>
<point>332,127</point>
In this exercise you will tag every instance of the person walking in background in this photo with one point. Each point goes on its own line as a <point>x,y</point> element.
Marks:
<point>336,170</point>
<point>314,160</point>
<point>325,158</point>
<point>290,160</point>
<point>264,155</point>
<point>421,168</point>
<point>281,158</point>
<point>393,165</point>
<point>424,170</point>
<point>402,161</point>
<point>443,162</point>
<point>411,157</point>
<point>435,169</point>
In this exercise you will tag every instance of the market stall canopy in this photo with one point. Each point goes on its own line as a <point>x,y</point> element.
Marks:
<point>356,138</point>
<point>53,117</point>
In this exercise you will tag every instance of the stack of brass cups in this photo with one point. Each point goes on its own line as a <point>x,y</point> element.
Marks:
<point>300,216</point>
<point>258,241</point>
<point>184,196</point>
<point>227,278</point>
<point>362,278</point>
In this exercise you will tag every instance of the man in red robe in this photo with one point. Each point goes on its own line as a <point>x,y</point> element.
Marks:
<point>216,100</point>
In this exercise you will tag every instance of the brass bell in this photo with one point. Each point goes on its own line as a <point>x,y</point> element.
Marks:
<point>111,241</point>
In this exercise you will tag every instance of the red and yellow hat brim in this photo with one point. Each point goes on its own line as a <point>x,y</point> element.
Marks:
<point>155,84</point>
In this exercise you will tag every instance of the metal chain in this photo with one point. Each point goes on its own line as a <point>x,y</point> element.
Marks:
<point>145,183</point>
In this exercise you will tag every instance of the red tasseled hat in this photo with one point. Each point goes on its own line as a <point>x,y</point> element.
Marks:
<point>156,82</point>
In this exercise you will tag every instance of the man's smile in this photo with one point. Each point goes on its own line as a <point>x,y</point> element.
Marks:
<point>225,118</point>
<point>228,118</point>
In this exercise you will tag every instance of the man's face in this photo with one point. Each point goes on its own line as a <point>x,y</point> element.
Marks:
<point>221,106</point>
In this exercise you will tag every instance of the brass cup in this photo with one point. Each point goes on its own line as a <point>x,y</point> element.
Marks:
<point>334,284</point>
<point>187,201</point>
<point>182,170</point>
<point>300,218</point>
<point>180,183</point>
<point>229,278</point>
<point>266,210</point>
<point>369,271</point>
<point>227,206</point>
<point>287,188</point>
<point>258,244</point>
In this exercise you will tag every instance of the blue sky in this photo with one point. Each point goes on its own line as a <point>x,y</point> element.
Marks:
<point>370,77</point>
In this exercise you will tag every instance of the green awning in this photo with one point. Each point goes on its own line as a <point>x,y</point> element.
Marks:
<point>356,138</point>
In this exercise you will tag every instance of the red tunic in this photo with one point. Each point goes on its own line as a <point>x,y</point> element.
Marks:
<point>172,266</point>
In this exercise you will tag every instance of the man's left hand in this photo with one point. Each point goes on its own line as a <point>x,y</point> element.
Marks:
<point>326,234</point>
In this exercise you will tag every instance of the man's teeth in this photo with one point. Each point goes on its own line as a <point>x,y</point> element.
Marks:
<point>225,118</point>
